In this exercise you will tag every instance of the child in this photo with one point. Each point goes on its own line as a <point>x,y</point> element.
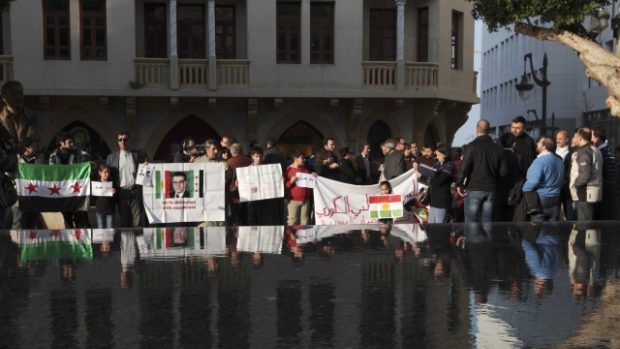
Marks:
<point>105,204</point>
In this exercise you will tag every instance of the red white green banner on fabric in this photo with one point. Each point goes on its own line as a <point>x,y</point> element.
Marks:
<point>55,244</point>
<point>385,206</point>
<point>53,188</point>
<point>185,192</point>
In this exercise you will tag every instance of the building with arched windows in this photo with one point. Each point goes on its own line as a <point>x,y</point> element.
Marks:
<point>297,71</point>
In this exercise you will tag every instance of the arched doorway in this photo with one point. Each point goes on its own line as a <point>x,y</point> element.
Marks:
<point>430,136</point>
<point>378,132</point>
<point>86,138</point>
<point>191,126</point>
<point>302,136</point>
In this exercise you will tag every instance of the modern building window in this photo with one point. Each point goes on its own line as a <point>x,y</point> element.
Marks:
<point>422,41</point>
<point>57,34</point>
<point>191,31</point>
<point>225,35</point>
<point>288,22</point>
<point>382,35</point>
<point>155,31</point>
<point>456,41</point>
<point>93,38</point>
<point>322,32</point>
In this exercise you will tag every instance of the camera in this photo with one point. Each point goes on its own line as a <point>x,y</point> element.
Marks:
<point>197,150</point>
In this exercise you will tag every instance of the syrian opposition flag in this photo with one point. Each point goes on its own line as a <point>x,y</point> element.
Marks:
<point>385,206</point>
<point>53,188</point>
<point>36,245</point>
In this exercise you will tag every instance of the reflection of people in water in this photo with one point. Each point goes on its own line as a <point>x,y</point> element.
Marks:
<point>179,186</point>
<point>542,255</point>
<point>584,252</point>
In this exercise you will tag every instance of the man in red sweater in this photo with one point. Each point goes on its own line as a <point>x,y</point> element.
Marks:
<point>299,197</point>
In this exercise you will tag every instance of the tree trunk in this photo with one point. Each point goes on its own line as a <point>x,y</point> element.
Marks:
<point>601,65</point>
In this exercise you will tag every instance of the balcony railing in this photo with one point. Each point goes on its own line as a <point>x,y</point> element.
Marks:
<point>6,68</point>
<point>418,75</point>
<point>379,75</point>
<point>233,73</point>
<point>152,72</point>
<point>421,75</point>
<point>193,73</point>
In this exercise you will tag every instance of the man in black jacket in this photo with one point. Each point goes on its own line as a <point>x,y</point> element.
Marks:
<point>480,172</point>
<point>525,146</point>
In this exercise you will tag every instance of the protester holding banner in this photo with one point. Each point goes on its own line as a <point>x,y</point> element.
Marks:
<point>123,164</point>
<point>104,207</point>
<point>236,209</point>
<point>298,197</point>
<point>260,212</point>
<point>66,154</point>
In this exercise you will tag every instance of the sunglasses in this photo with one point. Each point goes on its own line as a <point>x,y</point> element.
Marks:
<point>123,140</point>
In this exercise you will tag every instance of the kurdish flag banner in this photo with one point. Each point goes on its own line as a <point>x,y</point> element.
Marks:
<point>385,206</point>
<point>337,203</point>
<point>53,188</point>
<point>185,192</point>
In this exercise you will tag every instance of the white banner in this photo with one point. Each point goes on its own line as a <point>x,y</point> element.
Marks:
<point>340,203</point>
<point>305,180</point>
<point>185,192</point>
<point>260,182</point>
<point>101,189</point>
<point>144,176</point>
<point>176,242</point>
<point>262,239</point>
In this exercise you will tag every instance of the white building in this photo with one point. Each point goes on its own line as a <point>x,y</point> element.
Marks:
<point>297,71</point>
<point>572,98</point>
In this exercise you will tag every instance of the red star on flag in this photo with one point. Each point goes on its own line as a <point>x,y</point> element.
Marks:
<point>31,188</point>
<point>54,190</point>
<point>55,233</point>
<point>78,234</point>
<point>33,235</point>
<point>76,187</point>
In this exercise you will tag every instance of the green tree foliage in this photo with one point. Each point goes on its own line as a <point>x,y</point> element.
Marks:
<point>558,14</point>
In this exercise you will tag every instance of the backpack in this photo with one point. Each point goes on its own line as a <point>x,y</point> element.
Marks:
<point>8,193</point>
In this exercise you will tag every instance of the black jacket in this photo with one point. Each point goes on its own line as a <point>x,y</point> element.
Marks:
<point>525,147</point>
<point>441,195</point>
<point>482,165</point>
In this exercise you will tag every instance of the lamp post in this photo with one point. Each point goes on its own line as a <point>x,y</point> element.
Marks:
<point>525,86</point>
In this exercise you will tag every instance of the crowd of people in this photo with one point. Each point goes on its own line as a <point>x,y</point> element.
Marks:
<point>512,178</point>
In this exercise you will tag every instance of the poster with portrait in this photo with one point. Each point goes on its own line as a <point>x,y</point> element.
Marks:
<point>185,192</point>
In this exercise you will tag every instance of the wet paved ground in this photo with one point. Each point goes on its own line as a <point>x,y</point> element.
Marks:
<point>441,286</point>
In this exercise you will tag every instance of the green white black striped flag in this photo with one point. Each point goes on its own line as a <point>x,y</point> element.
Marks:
<point>53,188</point>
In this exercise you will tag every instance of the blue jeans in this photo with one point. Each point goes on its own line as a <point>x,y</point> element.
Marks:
<point>104,220</point>
<point>479,206</point>
<point>436,215</point>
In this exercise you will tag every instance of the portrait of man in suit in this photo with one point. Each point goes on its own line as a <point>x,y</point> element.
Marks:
<point>179,186</point>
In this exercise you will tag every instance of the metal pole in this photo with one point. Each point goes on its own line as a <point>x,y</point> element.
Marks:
<point>543,130</point>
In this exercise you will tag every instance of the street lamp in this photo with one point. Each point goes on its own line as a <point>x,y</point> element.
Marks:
<point>525,86</point>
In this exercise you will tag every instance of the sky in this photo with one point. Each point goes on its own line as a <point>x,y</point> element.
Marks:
<point>467,132</point>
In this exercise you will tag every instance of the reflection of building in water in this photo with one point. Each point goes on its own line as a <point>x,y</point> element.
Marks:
<point>195,306</point>
<point>377,327</point>
<point>289,312</point>
<point>157,298</point>
<point>98,318</point>
<point>234,294</point>
<point>313,303</point>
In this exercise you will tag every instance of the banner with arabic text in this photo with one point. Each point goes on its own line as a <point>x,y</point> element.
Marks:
<point>340,203</point>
